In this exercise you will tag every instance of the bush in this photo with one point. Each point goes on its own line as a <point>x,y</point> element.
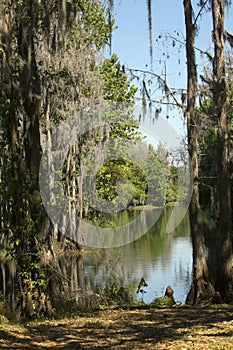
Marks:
<point>163,301</point>
<point>117,294</point>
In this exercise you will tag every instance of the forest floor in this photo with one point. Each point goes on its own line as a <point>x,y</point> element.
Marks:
<point>175,328</point>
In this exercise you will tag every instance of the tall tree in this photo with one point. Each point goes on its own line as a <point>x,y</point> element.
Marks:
<point>47,59</point>
<point>21,88</point>
<point>201,286</point>
<point>224,283</point>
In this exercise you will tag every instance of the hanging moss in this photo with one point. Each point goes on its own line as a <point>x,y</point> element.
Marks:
<point>150,30</point>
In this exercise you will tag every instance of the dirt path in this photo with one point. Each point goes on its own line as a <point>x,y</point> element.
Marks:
<point>176,328</point>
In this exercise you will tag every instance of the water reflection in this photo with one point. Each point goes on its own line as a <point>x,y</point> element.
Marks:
<point>159,257</point>
<point>7,278</point>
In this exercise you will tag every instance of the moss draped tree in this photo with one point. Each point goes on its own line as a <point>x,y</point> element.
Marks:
<point>48,52</point>
<point>52,66</point>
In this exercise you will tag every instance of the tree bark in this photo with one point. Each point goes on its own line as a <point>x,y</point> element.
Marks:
<point>224,282</point>
<point>27,252</point>
<point>201,286</point>
<point>22,90</point>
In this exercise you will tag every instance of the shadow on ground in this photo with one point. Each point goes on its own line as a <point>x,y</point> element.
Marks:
<point>175,328</point>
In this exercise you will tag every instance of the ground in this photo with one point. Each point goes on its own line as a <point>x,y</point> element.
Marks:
<point>175,328</point>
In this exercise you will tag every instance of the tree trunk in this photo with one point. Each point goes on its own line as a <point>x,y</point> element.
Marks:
<point>201,287</point>
<point>27,253</point>
<point>22,90</point>
<point>224,283</point>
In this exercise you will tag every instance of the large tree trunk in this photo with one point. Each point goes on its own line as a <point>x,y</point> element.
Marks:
<point>22,90</point>
<point>224,283</point>
<point>201,287</point>
<point>27,252</point>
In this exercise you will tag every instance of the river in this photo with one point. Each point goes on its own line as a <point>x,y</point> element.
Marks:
<point>161,258</point>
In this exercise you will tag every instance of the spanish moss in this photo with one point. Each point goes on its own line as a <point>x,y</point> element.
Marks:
<point>150,30</point>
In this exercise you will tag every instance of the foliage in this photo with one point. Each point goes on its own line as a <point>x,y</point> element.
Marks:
<point>117,87</point>
<point>110,295</point>
<point>208,150</point>
<point>92,19</point>
<point>172,185</point>
<point>123,182</point>
<point>142,284</point>
<point>163,301</point>
<point>121,126</point>
<point>156,178</point>
<point>116,294</point>
<point>116,170</point>
<point>52,66</point>
<point>48,70</point>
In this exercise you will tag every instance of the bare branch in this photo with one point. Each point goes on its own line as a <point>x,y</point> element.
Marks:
<point>200,11</point>
<point>163,82</point>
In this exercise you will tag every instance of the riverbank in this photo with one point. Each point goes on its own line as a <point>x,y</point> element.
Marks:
<point>175,328</point>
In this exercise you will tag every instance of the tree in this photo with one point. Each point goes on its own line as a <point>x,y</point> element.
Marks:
<point>118,98</point>
<point>208,151</point>
<point>48,71</point>
<point>224,283</point>
<point>201,287</point>
<point>51,68</point>
<point>117,86</point>
<point>21,98</point>
<point>208,171</point>
<point>156,177</point>
<point>121,176</point>
<point>153,176</point>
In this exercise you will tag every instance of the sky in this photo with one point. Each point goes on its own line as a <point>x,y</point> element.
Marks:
<point>131,39</point>
<point>131,43</point>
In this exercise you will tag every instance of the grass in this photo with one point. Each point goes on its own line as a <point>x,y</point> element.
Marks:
<point>145,328</point>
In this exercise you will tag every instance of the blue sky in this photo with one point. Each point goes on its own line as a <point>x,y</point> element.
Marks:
<point>131,40</point>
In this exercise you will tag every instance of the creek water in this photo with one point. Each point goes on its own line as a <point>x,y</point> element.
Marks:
<point>159,257</point>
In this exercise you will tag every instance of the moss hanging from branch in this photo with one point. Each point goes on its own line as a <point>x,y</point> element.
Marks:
<point>150,29</point>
